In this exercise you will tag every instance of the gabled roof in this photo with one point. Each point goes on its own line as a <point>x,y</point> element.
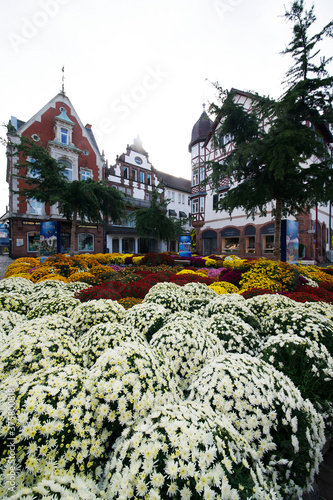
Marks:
<point>171,181</point>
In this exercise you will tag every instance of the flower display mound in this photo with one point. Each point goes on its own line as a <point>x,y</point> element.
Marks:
<point>168,295</point>
<point>235,334</point>
<point>63,305</point>
<point>183,451</point>
<point>126,382</point>
<point>10,301</point>
<point>59,487</point>
<point>88,314</point>
<point>198,295</point>
<point>302,322</point>
<point>307,363</point>
<point>16,285</point>
<point>187,345</point>
<point>55,432</point>
<point>223,287</point>
<point>232,304</point>
<point>40,343</point>
<point>9,319</point>
<point>262,305</point>
<point>147,318</point>
<point>318,307</point>
<point>103,336</point>
<point>284,430</point>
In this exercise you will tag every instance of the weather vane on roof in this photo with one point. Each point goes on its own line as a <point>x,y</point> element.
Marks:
<point>63,80</point>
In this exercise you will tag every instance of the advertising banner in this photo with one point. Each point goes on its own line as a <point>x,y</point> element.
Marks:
<point>50,240</point>
<point>289,241</point>
<point>185,246</point>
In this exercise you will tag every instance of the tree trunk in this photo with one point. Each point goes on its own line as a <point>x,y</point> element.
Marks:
<point>73,233</point>
<point>277,230</point>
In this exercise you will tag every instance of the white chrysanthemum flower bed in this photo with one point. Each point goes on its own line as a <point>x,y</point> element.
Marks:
<point>169,295</point>
<point>300,321</point>
<point>261,305</point>
<point>234,333</point>
<point>91,313</point>
<point>268,410</point>
<point>10,319</point>
<point>55,428</point>
<point>307,363</point>
<point>36,344</point>
<point>183,451</point>
<point>187,344</point>
<point>66,418</point>
<point>236,305</point>
<point>103,336</point>
<point>147,317</point>
<point>199,295</point>
<point>127,381</point>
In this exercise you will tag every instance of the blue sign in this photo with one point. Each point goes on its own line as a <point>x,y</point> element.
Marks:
<point>289,241</point>
<point>50,241</point>
<point>185,243</point>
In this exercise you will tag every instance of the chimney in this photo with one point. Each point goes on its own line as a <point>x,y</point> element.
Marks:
<point>88,125</point>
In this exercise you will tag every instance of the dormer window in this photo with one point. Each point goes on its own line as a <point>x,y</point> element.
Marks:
<point>64,135</point>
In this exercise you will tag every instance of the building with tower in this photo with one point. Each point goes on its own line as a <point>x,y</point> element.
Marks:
<point>217,232</point>
<point>58,127</point>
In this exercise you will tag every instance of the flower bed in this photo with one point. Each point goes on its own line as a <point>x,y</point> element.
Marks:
<point>164,382</point>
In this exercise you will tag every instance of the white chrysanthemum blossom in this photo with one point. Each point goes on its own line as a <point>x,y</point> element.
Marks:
<point>300,321</point>
<point>193,453</point>
<point>16,285</point>
<point>235,334</point>
<point>10,319</point>
<point>310,282</point>
<point>169,295</point>
<point>39,344</point>
<point>236,306</point>
<point>267,409</point>
<point>261,305</point>
<point>307,363</point>
<point>13,301</point>
<point>129,379</point>
<point>198,294</point>
<point>323,308</point>
<point>92,313</point>
<point>103,336</point>
<point>66,486</point>
<point>63,304</point>
<point>146,317</point>
<point>54,427</point>
<point>187,345</point>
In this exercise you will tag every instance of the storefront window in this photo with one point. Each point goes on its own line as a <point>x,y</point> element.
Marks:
<point>268,243</point>
<point>86,242</point>
<point>33,241</point>
<point>230,245</point>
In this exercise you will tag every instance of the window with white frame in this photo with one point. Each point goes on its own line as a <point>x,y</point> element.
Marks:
<point>195,206</point>
<point>125,172</point>
<point>202,173</point>
<point>134,174</point>
<point>68,173</point>
<point>35,207</point>
<point>86,242</point>
<point>179,198</point>
<point>33,243</point>
<point>142,177</point>
<point>85,174</point>
<point>195,177</point>
<point>149,179</point>
<point>202,204</point>
<point>33,173</point>
<point>64,135</point>
<point>183,199</point>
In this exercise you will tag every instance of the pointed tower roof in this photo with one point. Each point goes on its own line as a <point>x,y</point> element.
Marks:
<point>64,117</point>
<point>201,129</point>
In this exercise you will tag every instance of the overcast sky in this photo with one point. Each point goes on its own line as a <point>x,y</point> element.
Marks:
<point>140,67</point>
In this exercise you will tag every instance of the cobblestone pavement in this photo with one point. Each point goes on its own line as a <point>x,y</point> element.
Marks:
<point>323,488</point>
